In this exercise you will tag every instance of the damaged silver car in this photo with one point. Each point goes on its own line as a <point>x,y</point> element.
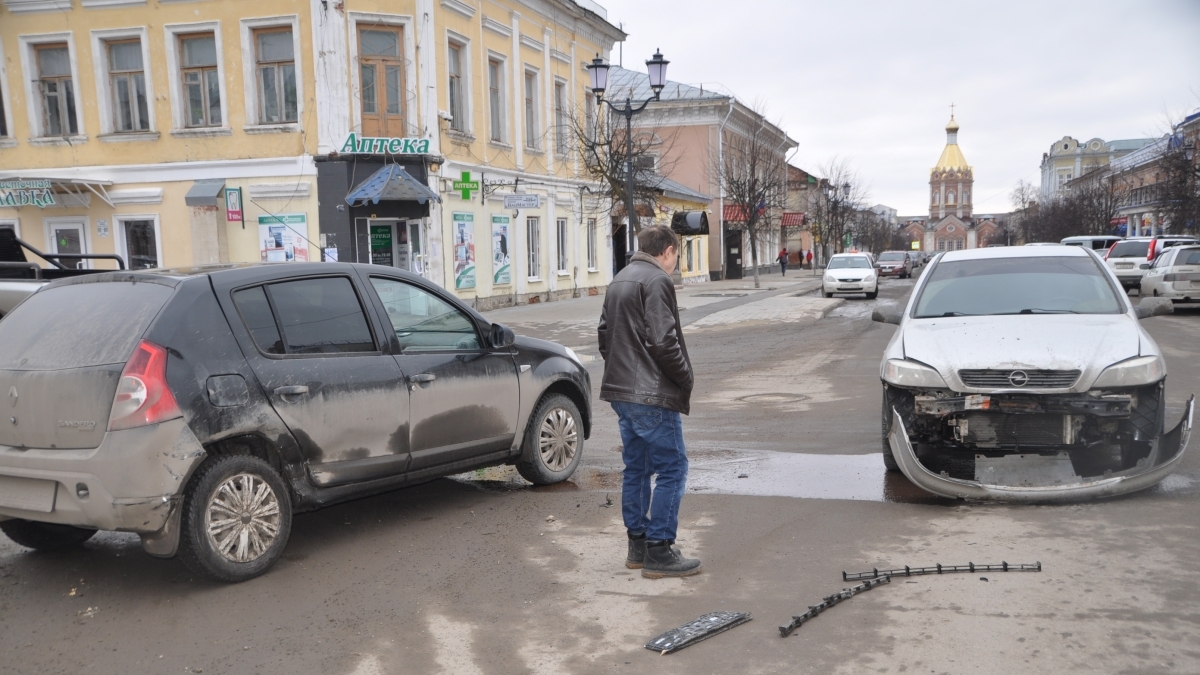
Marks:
<point>1022,374</point>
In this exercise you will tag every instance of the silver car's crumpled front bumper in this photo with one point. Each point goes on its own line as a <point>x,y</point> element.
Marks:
<point>1164,458</point>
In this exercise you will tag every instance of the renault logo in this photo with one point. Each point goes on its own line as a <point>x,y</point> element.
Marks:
<point>1018,378</point>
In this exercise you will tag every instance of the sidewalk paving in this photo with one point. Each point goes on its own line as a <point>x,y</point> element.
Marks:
<point>714,303</point>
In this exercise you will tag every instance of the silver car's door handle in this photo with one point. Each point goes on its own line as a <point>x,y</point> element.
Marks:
<point>291,390</point>
<point>423,378</point>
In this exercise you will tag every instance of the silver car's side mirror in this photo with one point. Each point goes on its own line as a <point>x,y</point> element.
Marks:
<point>1148,307</point>
<point>501,336</point>
<point>889,313</point>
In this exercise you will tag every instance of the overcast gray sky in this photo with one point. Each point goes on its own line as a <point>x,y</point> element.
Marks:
<point>872,82</point>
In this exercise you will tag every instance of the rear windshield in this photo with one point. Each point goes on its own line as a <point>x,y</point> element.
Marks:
<point>79,325</point>
<point>1044,285</point>
<point>856,262</point>
<point>891,255</point>
<point>1130,249</point>
<point>1188,257</point>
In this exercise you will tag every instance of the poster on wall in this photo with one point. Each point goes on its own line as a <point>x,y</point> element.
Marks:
<point>501,262</point>
<point>464,250</point>
<point>280,239</point>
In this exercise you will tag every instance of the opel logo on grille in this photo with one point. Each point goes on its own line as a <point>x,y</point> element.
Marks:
<point>1018,378</point>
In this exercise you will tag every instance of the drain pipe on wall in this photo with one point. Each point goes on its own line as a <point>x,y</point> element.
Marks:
<point>721,186</point>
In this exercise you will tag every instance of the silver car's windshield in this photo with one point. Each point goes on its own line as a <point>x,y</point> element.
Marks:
<point>843,263</point>
<point>1043,285</point>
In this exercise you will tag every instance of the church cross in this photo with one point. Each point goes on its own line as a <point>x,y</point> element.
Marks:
<point>951,111</point>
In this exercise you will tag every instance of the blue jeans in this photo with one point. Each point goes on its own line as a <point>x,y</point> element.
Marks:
<point>652,440</point>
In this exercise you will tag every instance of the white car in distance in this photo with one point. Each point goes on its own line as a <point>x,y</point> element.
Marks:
<point>851,273</point>
<point>1175,275</point>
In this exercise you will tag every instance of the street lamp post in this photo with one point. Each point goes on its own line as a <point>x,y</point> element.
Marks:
<point>656,67</point>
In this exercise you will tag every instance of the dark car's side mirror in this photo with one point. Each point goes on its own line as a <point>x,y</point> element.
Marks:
<point>1148,307</point>
<point>889,313</point>
<point>501,336</point>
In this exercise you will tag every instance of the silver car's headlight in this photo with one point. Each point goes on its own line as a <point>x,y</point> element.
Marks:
<point>1133,372</point>
<point>912,374</point>
<point>830,278</point>
<point>869,278</point>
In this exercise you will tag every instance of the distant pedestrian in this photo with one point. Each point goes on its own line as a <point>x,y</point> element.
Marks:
<point>782,259</point>
<point>648,380</point>
<point>810,258</point>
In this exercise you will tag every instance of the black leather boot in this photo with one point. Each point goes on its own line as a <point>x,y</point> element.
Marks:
<point>637,551</point>
<point>663,560</point>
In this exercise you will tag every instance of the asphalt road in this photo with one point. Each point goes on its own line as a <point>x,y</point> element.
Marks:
<point>472,575</point>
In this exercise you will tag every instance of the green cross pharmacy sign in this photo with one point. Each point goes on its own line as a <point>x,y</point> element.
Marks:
<point>466,186</point>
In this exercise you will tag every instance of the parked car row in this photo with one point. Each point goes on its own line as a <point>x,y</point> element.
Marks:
<point>859,272</point>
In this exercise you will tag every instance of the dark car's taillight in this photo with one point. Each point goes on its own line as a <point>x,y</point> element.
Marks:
<point>143,397</point>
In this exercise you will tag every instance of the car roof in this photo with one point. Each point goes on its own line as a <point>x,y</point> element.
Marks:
<point>1092,237</point>
<point>849,255</point>
<point>1054,250</point>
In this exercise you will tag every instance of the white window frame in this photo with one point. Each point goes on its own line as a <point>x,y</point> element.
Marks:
<point>592,252</point>
<point>408,38</point>
<point>83,222</point>
<point>104,93</point>
<point>533,247</point>
<point>502,102</point>
<point>464,65</point>
<point>529,109</point>
<point>562,241</point>
<point>562,144</point>
<point>14,223</point>
<point>33,98</point>
<point>9,139</point>
<point>590,119</point>
<point>179,126</point>
<point>123,246</point>
<point>250,71</point>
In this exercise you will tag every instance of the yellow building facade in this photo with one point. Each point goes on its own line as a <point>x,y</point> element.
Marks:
<point>182,132</point>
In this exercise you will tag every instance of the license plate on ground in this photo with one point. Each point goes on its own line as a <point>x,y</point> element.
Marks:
<point>29,494</point>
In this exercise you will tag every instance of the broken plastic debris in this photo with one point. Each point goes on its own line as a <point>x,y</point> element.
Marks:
<point>829,601</point>
<point>694,631</point>
<point>907,571</point>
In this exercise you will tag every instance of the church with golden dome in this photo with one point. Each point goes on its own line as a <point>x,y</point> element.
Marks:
<point>951,225</point>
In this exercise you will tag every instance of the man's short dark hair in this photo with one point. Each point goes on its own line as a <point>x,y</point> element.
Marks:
<point>654,241</point>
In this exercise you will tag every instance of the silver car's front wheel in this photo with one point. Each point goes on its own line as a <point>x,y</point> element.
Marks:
<point>553,441</point>
<point>242,518</point>
<point>237,515</point>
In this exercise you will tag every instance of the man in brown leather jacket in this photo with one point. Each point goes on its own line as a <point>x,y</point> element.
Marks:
<point>648,381</point>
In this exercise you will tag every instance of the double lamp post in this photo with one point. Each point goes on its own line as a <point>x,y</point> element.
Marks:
<point>656,67</point>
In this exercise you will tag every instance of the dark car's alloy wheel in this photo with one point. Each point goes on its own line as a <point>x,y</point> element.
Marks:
<point>237,516</point>
<point>45,536</point>
<point>553,441</point>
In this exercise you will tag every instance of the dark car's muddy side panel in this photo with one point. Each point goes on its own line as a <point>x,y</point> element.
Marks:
<point>213,385</point>
<point>542,371</point>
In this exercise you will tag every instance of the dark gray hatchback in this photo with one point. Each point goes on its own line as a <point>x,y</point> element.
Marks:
<point>201,408</point>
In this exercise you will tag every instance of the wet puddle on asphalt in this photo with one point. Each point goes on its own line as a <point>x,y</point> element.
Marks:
<point>759,474</point>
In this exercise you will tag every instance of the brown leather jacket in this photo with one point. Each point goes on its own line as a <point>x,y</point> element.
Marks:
<point>641,340</point>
